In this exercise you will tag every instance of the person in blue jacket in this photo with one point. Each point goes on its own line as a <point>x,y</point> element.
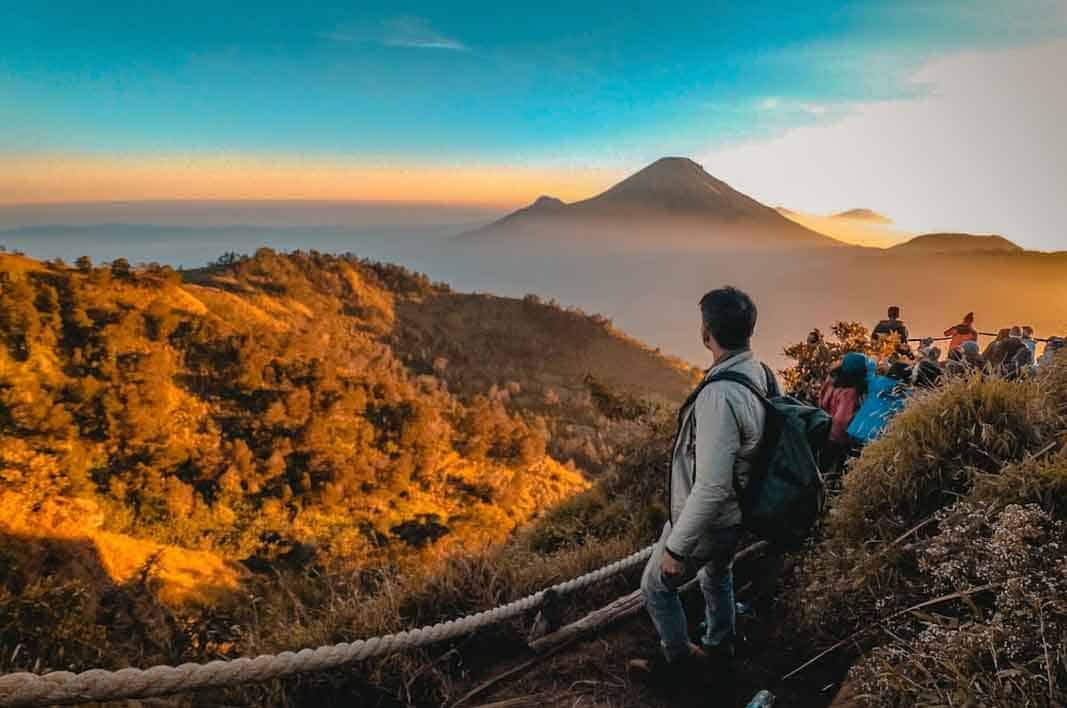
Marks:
<point>886,395</point>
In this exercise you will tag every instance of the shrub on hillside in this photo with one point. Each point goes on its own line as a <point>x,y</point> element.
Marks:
<point>627,503</point>
<point>816,355</point>
<point>265,395</point>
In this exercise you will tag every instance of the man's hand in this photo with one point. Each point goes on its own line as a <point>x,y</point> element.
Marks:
<point>671,567</point>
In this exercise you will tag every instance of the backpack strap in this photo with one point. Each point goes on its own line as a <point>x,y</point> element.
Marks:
<point>691,398</point>
<point>772,387</point>
<point>772,381</point>
<point>770,424</point>
<point>744,381</point>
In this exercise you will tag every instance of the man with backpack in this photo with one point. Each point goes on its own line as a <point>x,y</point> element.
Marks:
<point>722,446</point>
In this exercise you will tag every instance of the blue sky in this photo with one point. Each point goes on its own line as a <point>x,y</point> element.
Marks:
<point>942,115</point>
<point>468,82</point>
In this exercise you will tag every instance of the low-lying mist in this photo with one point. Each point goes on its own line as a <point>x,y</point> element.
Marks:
<point>648,286</point>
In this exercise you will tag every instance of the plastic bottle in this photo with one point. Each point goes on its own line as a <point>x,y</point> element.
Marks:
<point>763,699</point>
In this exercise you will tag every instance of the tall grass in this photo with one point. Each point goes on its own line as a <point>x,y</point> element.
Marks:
<point>931,452</point>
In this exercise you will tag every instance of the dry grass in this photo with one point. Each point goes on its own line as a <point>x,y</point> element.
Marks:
<point>966,489</point>
<point>84,622</point>
<point>932,450</point>
<point>311,610</point>
<point>92,618</point>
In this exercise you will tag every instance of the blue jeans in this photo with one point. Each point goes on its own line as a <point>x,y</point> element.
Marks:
<point>716,577</point>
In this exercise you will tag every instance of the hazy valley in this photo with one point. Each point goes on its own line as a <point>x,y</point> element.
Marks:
<point>679,230</point>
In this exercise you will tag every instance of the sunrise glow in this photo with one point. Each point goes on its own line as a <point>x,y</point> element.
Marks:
<point>77,178</point>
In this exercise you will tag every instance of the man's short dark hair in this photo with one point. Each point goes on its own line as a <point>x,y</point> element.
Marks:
<point>730,316</point>
<point>894,312</point>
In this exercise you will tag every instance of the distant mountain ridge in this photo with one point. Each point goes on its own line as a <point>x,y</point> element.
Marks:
<point>672,194</point>
<point>958,243</point>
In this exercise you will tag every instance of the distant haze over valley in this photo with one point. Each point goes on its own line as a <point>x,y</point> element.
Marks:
<point>642,252</point>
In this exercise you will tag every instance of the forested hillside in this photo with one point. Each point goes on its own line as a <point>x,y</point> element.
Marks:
<point>306,404</point>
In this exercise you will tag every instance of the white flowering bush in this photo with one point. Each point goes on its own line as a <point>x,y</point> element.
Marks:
<point>1005,646</point>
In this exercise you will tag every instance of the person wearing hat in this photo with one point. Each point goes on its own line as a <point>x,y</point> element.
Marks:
<point>963,332</point>
<point>965,360</point>
<point>840,397</point>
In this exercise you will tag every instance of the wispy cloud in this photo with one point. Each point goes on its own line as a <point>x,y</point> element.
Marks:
<point>442,43</point>
<point>427,44</point>
<point>406,31</point>
<point>417,33</point>
<point>773,103</point>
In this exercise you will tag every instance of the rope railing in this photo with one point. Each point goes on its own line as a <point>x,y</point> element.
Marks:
<point>982,334</point>
<point>65,688</point>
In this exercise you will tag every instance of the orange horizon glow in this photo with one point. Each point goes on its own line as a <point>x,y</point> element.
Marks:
<point>43,179</point>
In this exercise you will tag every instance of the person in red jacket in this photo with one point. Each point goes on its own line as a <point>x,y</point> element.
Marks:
<point>841,397</point>
<point>963,332</point>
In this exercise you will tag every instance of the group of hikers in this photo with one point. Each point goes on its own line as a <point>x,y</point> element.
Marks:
<point>863,392</point>
<point>1013,351</point>
<point>719,470</point>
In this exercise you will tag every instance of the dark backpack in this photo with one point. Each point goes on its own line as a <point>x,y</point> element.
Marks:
<point>784,494</point>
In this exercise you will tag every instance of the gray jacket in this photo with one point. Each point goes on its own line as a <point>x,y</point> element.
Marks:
<point>718,435</point>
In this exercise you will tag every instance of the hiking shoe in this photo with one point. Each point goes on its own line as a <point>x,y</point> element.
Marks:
<point>667,676</point>
<point>719,659</point>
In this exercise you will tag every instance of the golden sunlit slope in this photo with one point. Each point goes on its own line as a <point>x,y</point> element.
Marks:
<point>177,576</point>
<point>266,454</point>
<point>285,400</point>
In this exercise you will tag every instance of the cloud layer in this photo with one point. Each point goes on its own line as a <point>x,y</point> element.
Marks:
<point>982,150</point>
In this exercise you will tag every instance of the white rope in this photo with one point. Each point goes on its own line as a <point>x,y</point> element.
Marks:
<point>64,687</point>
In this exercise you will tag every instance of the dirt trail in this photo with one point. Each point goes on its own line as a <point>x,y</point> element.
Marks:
<point>592,672</point>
